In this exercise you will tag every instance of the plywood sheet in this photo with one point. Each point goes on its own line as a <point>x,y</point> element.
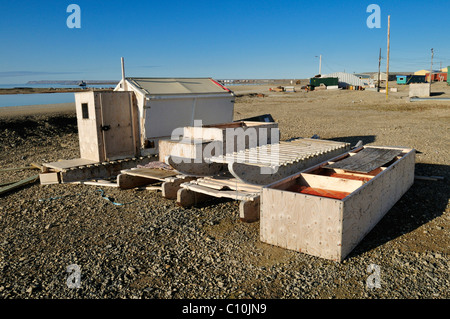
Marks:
<point>366,160</point>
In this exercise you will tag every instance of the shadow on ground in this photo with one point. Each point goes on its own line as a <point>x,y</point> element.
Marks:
<point>422,203</point>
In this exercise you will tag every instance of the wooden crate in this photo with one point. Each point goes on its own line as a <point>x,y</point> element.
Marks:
<point>296,217</point>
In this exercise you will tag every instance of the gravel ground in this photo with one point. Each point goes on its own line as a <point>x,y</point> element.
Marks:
<point>151,248</point>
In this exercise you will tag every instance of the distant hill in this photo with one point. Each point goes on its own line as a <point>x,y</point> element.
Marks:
<point>71,82</point>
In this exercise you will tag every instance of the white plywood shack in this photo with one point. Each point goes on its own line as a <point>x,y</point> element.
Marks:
<point>107,125</point>
<point>327,227</point>
<point>165,105</point>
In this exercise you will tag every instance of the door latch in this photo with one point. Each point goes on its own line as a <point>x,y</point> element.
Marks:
<point>105,127</point>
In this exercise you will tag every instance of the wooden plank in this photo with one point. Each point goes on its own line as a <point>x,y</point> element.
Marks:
<point>49,178</point>
<point>127,181</point>
<point>249,210</point>
<point>97,183</point>
<point>171,186</point>
<point>366,160</point>
<point>18,184</point>
<point>186,197</point>
<point>152,173</point>
<point>65,164</point>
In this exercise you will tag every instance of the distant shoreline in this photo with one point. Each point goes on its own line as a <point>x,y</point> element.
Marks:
<point>26,90</point>
<point>41,109</point>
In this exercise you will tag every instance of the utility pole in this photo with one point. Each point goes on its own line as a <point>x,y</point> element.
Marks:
<point>124,84</point>
<point>431,68</point>
<point>379,66</point>
<point>320,64</point>
<point>387,63</point>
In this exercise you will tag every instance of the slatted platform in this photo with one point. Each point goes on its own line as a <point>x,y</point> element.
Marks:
<point>281,154</point>
<point>265,164</point>
<point>76,170</point>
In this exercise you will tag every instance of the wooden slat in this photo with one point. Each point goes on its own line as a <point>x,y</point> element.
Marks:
<point>366,160</point>
<point>152,173</point>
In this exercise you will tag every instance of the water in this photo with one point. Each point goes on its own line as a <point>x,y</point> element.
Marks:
<point>41,98</point>
<point>57,86</point>
<point>35,99</point>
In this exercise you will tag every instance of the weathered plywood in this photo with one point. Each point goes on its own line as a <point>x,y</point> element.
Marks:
<point>301,222</point>
<point>117,118</point>
<point>49,178</point>
<point>364,208</point>
<point>116,113</point>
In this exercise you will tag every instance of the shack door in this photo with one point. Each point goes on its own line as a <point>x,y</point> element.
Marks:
<point>118,124</point>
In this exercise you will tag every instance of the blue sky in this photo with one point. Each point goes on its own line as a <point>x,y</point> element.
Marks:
<point>220,39</point>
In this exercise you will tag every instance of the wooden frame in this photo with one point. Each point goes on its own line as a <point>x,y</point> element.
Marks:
<point>328,227</point>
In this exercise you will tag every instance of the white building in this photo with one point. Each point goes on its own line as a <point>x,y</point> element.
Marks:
<point>165,104</point>
<point>347,79</point>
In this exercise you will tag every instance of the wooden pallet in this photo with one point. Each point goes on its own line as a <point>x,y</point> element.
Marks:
<point>76,170</point>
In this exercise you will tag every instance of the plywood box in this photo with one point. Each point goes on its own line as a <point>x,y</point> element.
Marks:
<point>419,90</point>
<point>107,125</point>
<point>326,211</point>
